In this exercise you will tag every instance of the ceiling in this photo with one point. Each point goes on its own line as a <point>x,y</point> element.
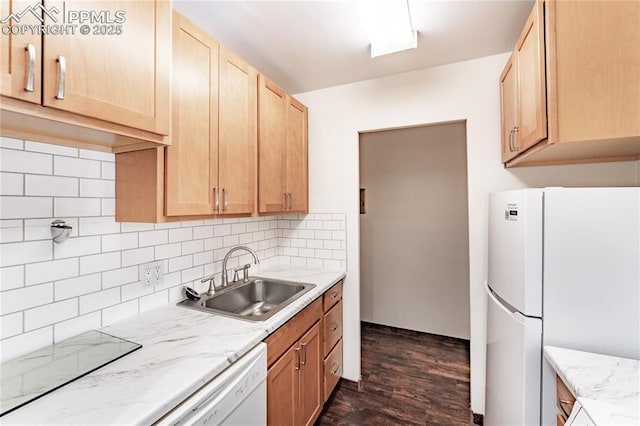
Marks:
<point>307,45</point>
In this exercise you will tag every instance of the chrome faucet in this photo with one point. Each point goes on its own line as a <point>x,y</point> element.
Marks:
<point>256,261</point>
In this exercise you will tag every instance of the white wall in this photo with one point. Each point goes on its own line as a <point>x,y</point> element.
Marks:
<point>414,242</point>
<point>467,90</point>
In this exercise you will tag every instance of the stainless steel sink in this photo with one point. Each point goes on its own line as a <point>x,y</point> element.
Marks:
<point>256,300</point>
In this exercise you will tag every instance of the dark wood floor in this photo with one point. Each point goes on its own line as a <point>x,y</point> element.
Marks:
<point>408,378</point>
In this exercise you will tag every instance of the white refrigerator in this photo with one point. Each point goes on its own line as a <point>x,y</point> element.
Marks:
<point>564,270</point>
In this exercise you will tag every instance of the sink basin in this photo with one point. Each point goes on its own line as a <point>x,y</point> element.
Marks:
<point>256,300</point>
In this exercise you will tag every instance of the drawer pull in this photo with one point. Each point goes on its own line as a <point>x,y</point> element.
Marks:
<point>562,404</point>
<point>62,71</point>
<point>334,327</point>
<point>334,295</point>
<point>31,67</point>
<point>303,346</point>
<point>336,367</point>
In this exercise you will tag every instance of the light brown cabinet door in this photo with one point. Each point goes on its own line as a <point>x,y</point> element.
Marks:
<point>20,64</point>
<point>121,78</point>
<point>192,159</point>
<point>237,134</point>
<point>310,376</point>
<point>297,157</point>
<point>532,101</point>
<point>282,389</point>
<point>508,105</point>
<point>272,155</point>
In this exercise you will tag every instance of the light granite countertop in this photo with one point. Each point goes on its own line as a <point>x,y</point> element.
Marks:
<point>607,387</point>
<point>182,350</point>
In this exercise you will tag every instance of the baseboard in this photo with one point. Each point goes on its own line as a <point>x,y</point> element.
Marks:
<point>478,419</point>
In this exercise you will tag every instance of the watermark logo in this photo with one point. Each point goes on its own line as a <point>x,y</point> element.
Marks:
<point>36,10</point>
<point>53,21</point>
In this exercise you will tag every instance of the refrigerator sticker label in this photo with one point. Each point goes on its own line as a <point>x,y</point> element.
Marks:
<point>511,213</point>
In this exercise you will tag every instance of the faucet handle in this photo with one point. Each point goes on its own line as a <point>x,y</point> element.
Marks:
<point>212,284</point>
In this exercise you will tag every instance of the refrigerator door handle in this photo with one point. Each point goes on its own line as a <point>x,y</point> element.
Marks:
<point>504,305</point>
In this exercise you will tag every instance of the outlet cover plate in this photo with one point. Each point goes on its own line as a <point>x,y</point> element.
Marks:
<point>151,274</point>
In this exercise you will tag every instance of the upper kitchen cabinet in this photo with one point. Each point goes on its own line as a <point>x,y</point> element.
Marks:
<point>210,168</point>
<point>237,137</point>
<point>101,79</point>
<point>522,90</point>
<point>582,103</point>
<point>21,62</point>
<point>282,151</point>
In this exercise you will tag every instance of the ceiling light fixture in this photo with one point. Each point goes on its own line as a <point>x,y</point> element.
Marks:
<point>388,24</point>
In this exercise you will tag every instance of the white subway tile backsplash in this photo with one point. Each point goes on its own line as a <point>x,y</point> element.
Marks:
<point>11,277</point>
<point>11,184</point>
<point>50,314</point>
<point>99,225</point>
<point>37,273</point>
<point>108,206</point>
<point>180,234</point>
<point>119,312</point>
<point>25,343</point>
<point>10,325</point>
<point>11,231</point>
<point>12,143</point>
<point>77,207</point>
<point>154,300</point>
<point>74,287</point>
<point>115,242</point>
<point>25,207</point>
<point>137,256</point>
<point>77,167</point>
<point>153,238</point>
<point>97,188</point>
<point>91,280</point>
<point>79,246</point>
<point>167,251</point>
<point>40,185</point>
<point>97,155</point>
<point>102,299</point>
<point>135,291</point>
<point>99,263</point>
<point>69,328</point>
<point>180,263</point>
<point>26,298</point>
<point>194,246</point>
<point>108,171</point>
<point>25,162</point>
<point>25,252</point>
<point>118,277</point>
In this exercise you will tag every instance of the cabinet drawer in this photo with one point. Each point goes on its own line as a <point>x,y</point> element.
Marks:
<point>565,398</point>
<point>332,296</point>
<point>283,338</point>
<point>332,327</point>
<point>332,369</point>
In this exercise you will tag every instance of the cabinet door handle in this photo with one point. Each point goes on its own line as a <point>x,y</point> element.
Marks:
<point>511,140</point>
<point>216,202</point>
<point>286,198</point>
<point>297,358</point>
<point>303,346</point>
<point>225,198</point>
<point>62,70</point>
<point>334,327</point>
<point>515,140</point>
<point>290,201</point>
<point>31,67</point>
<point>335,369</point>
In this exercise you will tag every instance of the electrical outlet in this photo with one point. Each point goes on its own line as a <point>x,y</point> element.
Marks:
<point>151,274</point>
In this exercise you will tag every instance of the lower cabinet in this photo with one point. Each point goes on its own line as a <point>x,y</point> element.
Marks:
<point>304,358</point>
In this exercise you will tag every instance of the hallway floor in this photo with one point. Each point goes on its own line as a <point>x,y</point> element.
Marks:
<point>408,378</point>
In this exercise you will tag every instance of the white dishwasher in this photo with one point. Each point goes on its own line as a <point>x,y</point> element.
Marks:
<point>237,397</point>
